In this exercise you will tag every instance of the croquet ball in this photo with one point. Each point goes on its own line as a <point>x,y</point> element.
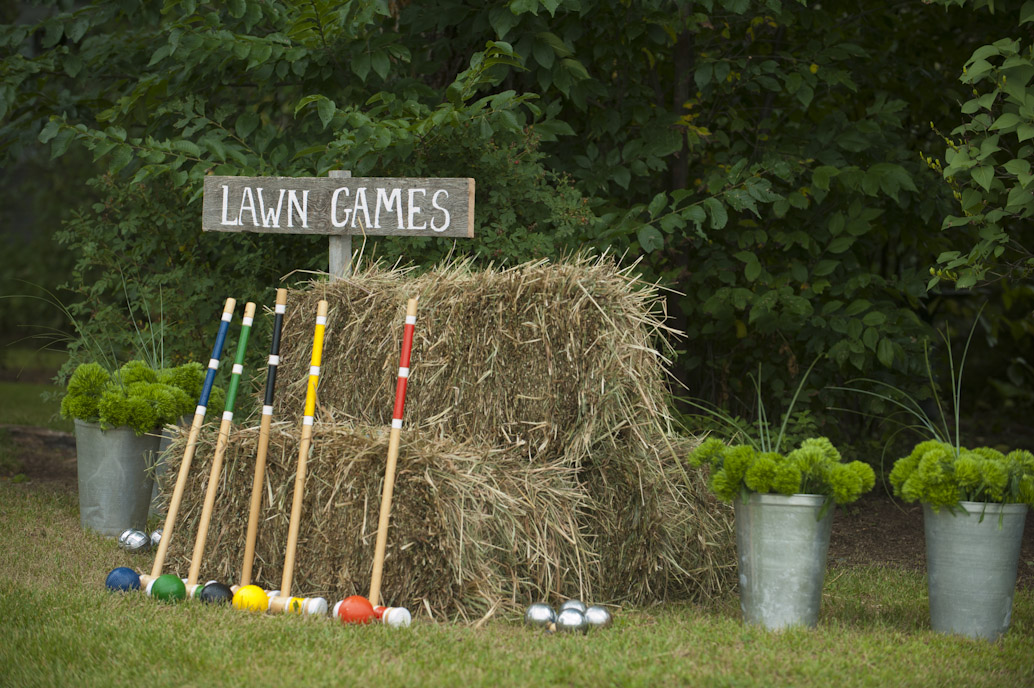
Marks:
<point>134,541</point>
<point>397,617</point>
<point>169,588</point>
<point>573,604</point>
<point>251,598</point>
<point>571,620</point>
<point>598,617</point>
<point>539,615</point>
<point>123,578</point>
<point>156,538</point>
<point>355,610</point>
<point>216,593</point>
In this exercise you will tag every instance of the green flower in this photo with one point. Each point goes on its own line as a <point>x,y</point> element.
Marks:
<point>787,478</point>
<point>709,452</point>
<point>762,473</point>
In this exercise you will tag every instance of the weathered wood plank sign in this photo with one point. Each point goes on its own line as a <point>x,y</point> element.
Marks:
<point>396,206</point>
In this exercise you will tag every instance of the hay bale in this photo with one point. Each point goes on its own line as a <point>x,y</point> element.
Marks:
<point>554,357</point>
<point>538,460</point>
<point>474,528</point>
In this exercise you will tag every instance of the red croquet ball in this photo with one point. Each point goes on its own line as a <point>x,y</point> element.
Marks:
<point>355,610</point>
<point>378,612</point>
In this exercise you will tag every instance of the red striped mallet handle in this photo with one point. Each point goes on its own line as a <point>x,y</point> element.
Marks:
<point>393,453</point>
<point>263,441</point>
<point>188,452</point>
<point>220,450</point>
<point>280,602</point>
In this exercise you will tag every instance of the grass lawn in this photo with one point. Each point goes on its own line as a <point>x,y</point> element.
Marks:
<point>62,628</point>
<point>25,379</point>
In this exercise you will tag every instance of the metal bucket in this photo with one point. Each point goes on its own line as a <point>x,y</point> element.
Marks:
<point>971,567</point>
<point>782,549</point>
<point>114,481</point>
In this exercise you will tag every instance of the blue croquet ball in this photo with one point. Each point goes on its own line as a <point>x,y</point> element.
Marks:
<point>123,578</point>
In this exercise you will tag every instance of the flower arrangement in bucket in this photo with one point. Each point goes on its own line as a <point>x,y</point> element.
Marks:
<point>784,514</point>
<point>974,506</point>
<point>117,420</point>
<point>135,396</point>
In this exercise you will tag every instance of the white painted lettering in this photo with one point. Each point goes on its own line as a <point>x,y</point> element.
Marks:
<point>270,216</point>
<point>226,200</point>
<point>360,202</point>
<point>248,203</point>
<point>414,209</point>
<point>333,208</point>
<point>302,208</point>
<point>434,201</point>
<point>395,198</point>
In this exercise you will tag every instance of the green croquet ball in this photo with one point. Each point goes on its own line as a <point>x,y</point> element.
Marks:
<point>168,588</point>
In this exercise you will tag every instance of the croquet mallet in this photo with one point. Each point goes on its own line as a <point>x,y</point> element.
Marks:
<point>284,602</point>
<point>188,452</point>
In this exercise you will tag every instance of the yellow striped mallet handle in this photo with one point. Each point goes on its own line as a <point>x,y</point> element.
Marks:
<point>263,441</point>
<point>220,450</point>
<point>280,603</point>
<point>188,452</point>
<point>393,453</point>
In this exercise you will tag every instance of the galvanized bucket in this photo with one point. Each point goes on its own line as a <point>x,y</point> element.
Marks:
<point>782,547</point>
<point>114,481</point>
<point>971,567</point>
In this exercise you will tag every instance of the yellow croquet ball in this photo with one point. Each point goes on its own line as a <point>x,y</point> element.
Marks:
<point>251,598</point>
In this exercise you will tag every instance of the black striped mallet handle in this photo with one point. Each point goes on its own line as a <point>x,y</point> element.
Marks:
<point>263,441</point>
<point>393,453</point>
<point>282,602</point>
<point>220,450</point>
<point>188,452</point>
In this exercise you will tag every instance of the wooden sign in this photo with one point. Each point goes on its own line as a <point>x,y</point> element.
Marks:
<point>395,206</point>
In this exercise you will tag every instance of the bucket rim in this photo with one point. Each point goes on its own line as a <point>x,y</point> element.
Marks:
<point>799,499</point>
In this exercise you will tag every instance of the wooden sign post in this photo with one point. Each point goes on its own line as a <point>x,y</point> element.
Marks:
<point>340,206</point>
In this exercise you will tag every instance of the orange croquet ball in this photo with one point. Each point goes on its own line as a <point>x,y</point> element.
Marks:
<point>355,610</point>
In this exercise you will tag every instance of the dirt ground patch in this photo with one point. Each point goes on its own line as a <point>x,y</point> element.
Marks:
<point>876,530</point>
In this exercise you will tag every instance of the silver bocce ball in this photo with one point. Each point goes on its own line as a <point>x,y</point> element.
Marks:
<point>134,541</point>
<point>571,620</point>
<point>598,617</point>
<point>539,615</point>
<point>573,604</point>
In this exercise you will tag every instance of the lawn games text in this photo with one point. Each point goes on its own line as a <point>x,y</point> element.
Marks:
<point>398,206</point>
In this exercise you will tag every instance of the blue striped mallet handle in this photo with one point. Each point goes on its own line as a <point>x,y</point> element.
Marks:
<point>263,441</point>
<point>188,453</point>
<point>220,450</point>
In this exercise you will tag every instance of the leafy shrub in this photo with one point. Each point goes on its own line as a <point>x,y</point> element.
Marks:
<point>813,468</point>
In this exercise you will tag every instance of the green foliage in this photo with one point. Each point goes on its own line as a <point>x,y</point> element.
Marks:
<point>85,387</point>
<point>136,396</point>
<point>758,157</point>
<point>815,467</point>
<point>942,475</point>
<point>987,165</point>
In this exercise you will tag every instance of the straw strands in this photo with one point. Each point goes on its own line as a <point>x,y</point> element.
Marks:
<point>537,459</point>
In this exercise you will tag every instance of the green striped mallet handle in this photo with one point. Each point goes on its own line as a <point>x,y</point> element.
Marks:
<point>263,441</point>
<point>188,453</point>
<point>282,601</point>
<point>220,450</point>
